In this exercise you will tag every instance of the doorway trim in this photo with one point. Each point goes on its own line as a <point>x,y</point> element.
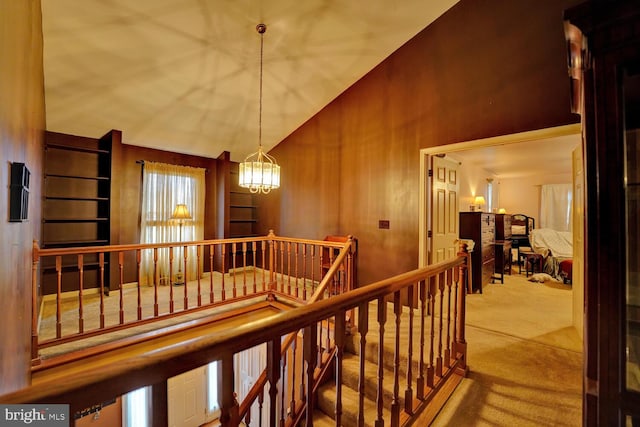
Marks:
<point>514,138</point>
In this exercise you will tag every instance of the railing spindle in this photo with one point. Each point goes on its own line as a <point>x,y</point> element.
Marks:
<point>282,267</point>
<point>283,392</point>
<point>310,354</point>
<point>139,275</point>
<point>395,402</point>
<point>171,259</point>
<point>447,350</point>
<point>423,315</point>
<point>297,254</point>
<point>339,342</point>
<point>199,273</point>
<point>431,297</point>
<point>80,292</point>
<point>382,318</point>
<point>263,246</point>
<point>456,289</point>
<point>255,267</point>
<point>260,406</point>
<point>363,327</point>
<point>101,276</point>
<point>273,375</point>
<point>441,281</point>
<point>288,268</point>
<point>186,278</point>
<point>121,270</point>
<point>58,296</point>
<point>211,269</point>
<point>155,282</point>
<point>244,268</point>
<point>292,404</point>
<point>304,272</point>
<point>232,272</point>
<point>224,263</point>
<point>408,394</point>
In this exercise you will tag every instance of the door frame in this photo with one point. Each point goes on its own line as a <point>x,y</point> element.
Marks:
<point>424,199</point>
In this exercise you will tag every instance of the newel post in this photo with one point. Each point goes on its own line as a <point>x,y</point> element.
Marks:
<point>272,258</point>
<point>35,354</point>
<point>466,246</point>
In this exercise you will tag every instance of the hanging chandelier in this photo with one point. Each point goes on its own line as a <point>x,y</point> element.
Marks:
<point>260,172</point>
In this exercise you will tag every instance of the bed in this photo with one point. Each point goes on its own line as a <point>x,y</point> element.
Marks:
<point>556,248</point>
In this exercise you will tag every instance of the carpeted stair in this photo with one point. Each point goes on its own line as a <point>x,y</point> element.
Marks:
<point>351,369</point>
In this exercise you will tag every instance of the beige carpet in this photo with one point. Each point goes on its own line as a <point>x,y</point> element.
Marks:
<point>525,359</point>
<point>241,282</point>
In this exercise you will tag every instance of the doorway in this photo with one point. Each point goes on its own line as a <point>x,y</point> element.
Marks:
<point>492,147</point>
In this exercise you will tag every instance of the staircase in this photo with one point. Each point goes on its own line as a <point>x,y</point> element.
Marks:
<point>325,413</point>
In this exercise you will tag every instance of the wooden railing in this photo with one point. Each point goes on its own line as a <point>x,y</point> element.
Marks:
<point>427,347</point>
<point>212,273</point>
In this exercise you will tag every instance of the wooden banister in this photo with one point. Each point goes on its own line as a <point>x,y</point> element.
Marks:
<point>117,371</point>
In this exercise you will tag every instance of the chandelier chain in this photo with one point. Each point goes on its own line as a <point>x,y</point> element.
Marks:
<point>261,29</point>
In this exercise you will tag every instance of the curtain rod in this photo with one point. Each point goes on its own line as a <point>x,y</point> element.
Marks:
<point>142,162</point>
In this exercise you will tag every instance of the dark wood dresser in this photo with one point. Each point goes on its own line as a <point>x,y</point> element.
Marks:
<point>480,227</point>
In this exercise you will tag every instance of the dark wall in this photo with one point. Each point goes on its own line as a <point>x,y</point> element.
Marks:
<point>485,68</point>
<point>22,122</point>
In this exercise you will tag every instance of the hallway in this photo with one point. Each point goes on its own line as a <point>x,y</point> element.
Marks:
<point>525,358</point>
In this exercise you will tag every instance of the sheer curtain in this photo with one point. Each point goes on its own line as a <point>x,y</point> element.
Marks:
<point>555,206</point>
<point>163,187</point>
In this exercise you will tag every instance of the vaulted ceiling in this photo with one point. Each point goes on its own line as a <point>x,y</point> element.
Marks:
<point>183,75</point>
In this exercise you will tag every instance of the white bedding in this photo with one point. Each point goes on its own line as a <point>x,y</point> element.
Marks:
<point>546,241</point>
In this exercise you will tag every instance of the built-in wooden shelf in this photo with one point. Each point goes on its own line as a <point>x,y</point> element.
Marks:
<point>78,148</point>
<point>65,220</point>
<point>57,175</point>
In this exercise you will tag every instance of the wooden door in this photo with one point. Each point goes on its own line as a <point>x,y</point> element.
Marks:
<point>443,227</point>
<point>605,51</point>
<point>186,398</point>
<point>578,241</point>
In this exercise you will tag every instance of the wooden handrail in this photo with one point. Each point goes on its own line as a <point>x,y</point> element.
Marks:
<point>261,381</point>
<point>166,361</point>
<point>219,246</point>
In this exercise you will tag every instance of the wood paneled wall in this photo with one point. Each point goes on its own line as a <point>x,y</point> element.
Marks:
<point>485,68</point>
<point>22,122</point>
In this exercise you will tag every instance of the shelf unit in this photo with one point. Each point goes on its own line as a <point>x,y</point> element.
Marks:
<point>76,204</point>
<point>237,211</point>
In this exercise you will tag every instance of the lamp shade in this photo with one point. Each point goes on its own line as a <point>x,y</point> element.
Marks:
<point>181,212</point>
<point>502,211</point>
<point>479,200</point>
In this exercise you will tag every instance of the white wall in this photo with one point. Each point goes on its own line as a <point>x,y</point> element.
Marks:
<point>473,182</point>
<point>522,195</point>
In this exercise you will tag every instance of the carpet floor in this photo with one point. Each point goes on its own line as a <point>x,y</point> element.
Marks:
<point>524,356</point>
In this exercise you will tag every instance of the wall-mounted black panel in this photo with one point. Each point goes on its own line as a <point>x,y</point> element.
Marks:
<point>19,193</point>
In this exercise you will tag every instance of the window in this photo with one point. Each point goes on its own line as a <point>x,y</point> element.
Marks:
<point>136,408</point>
<point>164,187</point>
<point>555,206</point>
<point>213,405</point>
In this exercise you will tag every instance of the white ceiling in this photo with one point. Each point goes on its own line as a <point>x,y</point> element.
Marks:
<point>541,157</point>
<point>183,75</point>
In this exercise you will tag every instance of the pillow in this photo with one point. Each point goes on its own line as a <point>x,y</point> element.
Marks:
<point>518,229</point>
